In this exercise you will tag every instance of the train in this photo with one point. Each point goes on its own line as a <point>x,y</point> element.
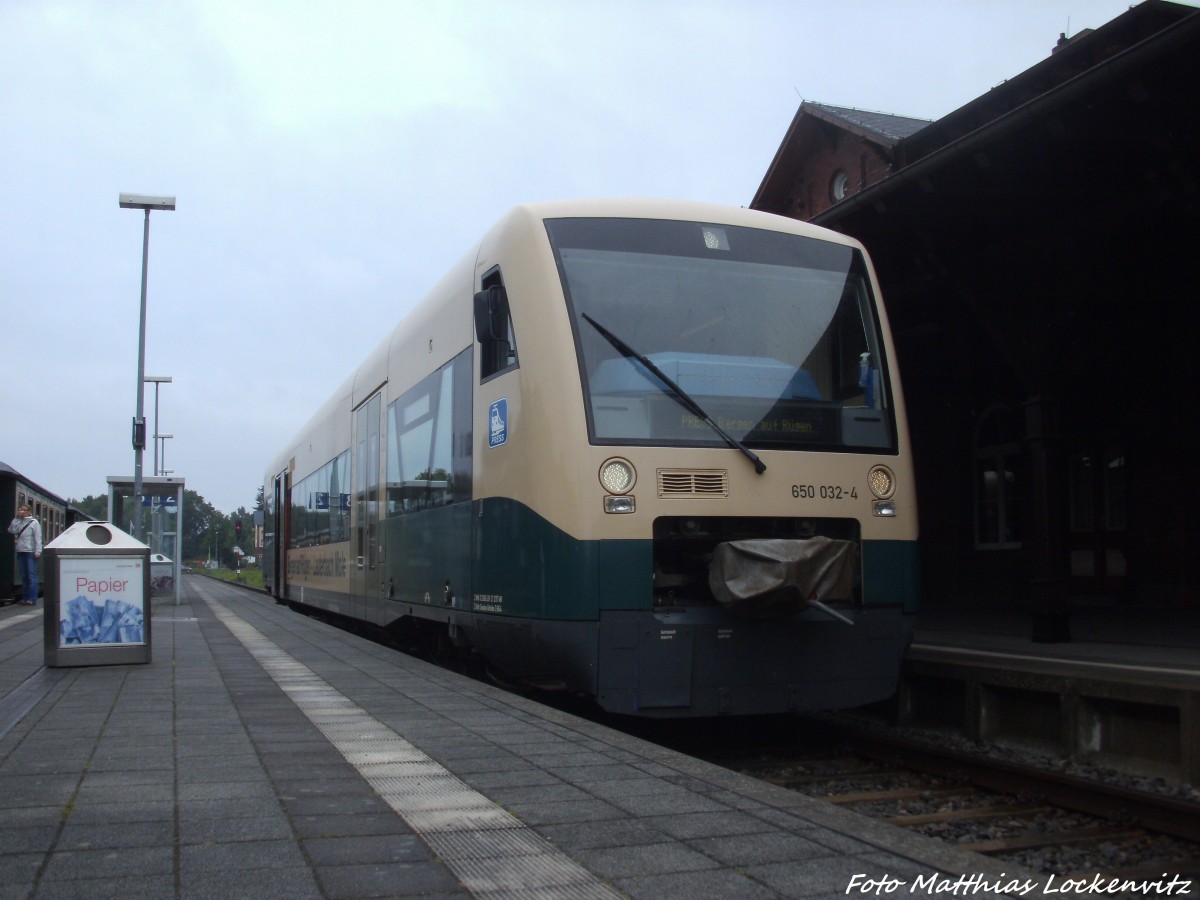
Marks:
<point>653,453</point>
<point>53,513</point>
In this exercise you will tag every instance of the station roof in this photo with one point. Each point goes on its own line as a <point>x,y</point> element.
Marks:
<point>882,128</point>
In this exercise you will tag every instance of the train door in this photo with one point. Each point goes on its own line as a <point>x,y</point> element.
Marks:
<point>367,573</point>
<point>275,541</point>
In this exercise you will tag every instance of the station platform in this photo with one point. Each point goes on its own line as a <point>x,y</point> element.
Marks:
<point>1102,634</point>
<point>1121,692</point>
<point>265,754</point>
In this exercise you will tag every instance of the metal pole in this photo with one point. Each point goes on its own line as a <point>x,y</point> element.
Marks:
<point>156,472</point>
<point>178,534</point>
<point>139,421</point>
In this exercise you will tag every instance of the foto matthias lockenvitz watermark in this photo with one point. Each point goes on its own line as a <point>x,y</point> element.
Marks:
<point>937,884</point>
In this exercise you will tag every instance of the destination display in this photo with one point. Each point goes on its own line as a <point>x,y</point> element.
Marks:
<point>782,422</point>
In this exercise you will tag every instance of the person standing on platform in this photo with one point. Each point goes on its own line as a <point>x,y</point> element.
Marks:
<point>28,532</point>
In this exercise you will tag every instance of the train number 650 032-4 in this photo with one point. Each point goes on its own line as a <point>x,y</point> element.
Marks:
<point>824,491</point>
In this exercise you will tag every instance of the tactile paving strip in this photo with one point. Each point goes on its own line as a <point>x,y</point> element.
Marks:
<point>491,852</point>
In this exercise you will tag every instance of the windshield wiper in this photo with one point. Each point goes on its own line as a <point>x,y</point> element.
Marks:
<point>678,393</point>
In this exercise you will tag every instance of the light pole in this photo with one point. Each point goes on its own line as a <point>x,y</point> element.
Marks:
<point>157,380</point>
<point>147,203</point>
<point>164,471</point>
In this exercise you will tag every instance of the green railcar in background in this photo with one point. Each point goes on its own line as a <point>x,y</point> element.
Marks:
<point>52,511</point>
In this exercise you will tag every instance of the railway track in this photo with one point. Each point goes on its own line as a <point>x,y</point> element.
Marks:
<point>1042,821</point>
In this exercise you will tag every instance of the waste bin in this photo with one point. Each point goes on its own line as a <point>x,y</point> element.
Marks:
<point>162,575</point>
<point>97,597</point>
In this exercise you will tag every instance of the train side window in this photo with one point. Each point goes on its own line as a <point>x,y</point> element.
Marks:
<point>428,428</point>
<point>320,511</point>
<point>339,497</point>
<point>460,425</point>
<point>410,438</point>
<point>494,328</point>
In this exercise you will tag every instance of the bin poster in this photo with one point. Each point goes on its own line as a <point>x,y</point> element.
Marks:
<point>101,602</point>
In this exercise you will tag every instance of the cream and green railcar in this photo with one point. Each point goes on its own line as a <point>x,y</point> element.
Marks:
<point>650,452</point>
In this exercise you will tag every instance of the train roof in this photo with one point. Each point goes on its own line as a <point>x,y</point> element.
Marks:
<point>7,471</point>
<point>685,210</point>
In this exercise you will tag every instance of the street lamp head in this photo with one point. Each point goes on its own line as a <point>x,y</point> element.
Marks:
<point>157,379</point>
<point>146,201</point>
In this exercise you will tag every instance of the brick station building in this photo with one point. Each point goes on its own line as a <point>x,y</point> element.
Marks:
<point>1039,255</point>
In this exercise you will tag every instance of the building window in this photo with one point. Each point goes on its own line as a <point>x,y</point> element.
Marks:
<point>1097,492</point>
<point>1000,478</point>
<point>1114,492</point>
<point>839,185</point>
<point>1083,507</point>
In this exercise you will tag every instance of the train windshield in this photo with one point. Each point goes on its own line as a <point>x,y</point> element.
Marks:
<point>774,336</point>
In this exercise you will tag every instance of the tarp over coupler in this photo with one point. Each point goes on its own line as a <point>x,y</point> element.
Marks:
<point>767,579</point>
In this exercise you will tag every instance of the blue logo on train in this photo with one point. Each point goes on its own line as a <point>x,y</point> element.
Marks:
<point>498,422</point>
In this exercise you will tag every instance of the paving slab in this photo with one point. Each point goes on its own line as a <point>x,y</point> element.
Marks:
<point>264,753</point>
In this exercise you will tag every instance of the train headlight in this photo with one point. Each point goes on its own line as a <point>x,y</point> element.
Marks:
<point>882,482</point>
<point>617,476</point>
<point>623,504</point>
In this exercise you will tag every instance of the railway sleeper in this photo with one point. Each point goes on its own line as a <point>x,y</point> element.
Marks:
<point>980,814</point>
<point>1051,839</point>
<point>907,793</point>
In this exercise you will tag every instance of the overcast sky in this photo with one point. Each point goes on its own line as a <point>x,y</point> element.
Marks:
<point>331,159</point>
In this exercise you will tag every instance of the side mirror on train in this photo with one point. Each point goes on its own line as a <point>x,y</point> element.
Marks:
<point>491,314</point>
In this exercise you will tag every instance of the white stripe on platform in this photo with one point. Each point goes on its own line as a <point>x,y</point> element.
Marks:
<point>19,618</point>
<point>490,851</point>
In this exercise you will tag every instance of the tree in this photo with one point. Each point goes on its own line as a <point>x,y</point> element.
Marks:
<point>201,525</point>
<point>206,531</point>
<point>94,507</point>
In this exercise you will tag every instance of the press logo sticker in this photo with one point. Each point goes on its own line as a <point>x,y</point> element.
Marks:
<point>498,422</point>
